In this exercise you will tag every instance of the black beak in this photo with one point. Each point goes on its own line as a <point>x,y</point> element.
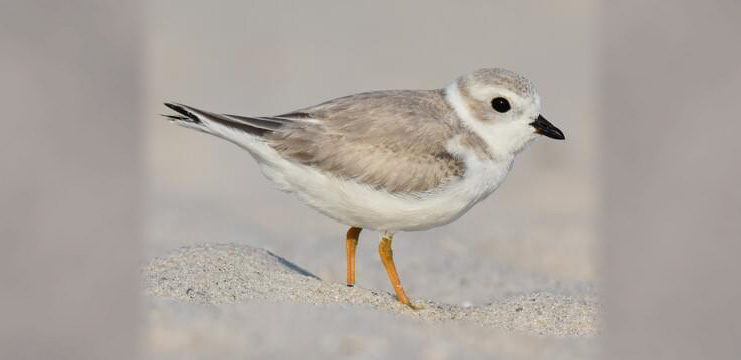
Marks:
<point>544,127</point>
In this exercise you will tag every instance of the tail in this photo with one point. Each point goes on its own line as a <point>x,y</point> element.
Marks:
<point>245,131</point>
<point>229,127</point>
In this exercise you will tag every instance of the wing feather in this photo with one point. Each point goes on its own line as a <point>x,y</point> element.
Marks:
<point>390,140</point>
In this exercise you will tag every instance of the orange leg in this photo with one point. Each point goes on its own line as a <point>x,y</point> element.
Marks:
<point>351,242</point>
<point>387,257</point>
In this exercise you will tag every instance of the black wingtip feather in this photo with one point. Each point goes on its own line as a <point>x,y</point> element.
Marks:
<point>176,117</point>
<point>254,126</point>
<point>183,111</point>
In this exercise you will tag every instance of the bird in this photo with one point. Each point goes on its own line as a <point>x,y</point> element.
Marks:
<point>391,160</point>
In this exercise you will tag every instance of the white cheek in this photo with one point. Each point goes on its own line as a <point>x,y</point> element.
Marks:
<point>504,138</point>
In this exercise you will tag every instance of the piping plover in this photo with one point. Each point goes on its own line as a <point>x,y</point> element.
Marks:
<point>396,160</point>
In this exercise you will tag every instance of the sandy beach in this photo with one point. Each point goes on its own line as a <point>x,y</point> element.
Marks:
<point>237,300</point>
<point>233,274</point>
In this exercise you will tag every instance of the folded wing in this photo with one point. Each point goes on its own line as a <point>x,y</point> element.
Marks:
<point>389,140</point>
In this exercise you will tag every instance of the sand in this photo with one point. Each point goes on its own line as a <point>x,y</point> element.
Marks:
<point>241,301</point>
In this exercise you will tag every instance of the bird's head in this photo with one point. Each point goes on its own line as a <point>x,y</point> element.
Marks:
<point>502,107</point>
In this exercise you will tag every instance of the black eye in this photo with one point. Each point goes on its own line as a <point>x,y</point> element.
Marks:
<point>500,104</point>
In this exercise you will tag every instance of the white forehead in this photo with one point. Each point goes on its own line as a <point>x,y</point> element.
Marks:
<point>484,83</point>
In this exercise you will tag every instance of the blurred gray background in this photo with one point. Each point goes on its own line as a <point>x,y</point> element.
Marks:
<point>71,177</point>
<point>263,57</point>
<point>672,201</point>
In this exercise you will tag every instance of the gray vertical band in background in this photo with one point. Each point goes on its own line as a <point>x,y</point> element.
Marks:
<point>672,173</point>
<point>70,175</point>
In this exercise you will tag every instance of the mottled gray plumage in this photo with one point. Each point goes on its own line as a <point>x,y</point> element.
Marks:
<point>499,77</point>
<point>404,130</point>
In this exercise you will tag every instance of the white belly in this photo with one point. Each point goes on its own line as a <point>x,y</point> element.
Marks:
<point>354,204</point>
